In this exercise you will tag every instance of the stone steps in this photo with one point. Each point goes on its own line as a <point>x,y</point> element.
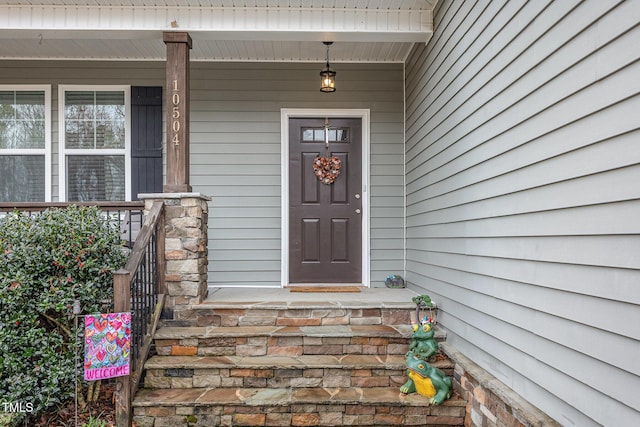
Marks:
<point>312,360</point>
<point>362,371</point>
<point>292,407</point>
<point>298,314</point>
<point>284,340</point>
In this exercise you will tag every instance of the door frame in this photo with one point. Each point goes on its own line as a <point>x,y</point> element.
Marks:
<point>285,115</point>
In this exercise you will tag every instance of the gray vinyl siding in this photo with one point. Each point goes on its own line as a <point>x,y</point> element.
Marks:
<point>235,152</point>
<point>523,202</point>
<point>235,149</point>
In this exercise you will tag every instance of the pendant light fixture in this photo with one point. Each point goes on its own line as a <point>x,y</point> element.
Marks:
<point>327,75</point>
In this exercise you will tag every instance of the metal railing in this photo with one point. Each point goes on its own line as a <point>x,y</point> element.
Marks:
<point>127,216</point>
<point>140,289</point>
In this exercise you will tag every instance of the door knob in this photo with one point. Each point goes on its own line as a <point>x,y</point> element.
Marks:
<point>357,211</point>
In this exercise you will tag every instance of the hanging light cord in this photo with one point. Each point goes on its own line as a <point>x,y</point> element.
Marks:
<point>327,58</point>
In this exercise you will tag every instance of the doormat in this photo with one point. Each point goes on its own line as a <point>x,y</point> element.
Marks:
<point>324,289</point>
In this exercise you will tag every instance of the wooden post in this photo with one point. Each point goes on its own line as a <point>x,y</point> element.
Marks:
<point>122,303</point>
<point>162,264</point>
<point>177,96</point>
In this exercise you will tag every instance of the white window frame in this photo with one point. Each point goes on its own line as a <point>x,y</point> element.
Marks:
<point>46,151</point>
<point>64,152</point>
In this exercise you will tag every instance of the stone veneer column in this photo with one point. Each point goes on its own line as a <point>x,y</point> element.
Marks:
<point>186,254</point>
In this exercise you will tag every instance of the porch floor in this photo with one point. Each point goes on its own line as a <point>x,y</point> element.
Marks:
<point>284,298</point>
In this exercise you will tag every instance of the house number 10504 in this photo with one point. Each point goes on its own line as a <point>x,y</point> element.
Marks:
<point>175,115</point>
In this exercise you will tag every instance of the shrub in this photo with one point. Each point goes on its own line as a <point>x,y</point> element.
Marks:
<point>47,262</point>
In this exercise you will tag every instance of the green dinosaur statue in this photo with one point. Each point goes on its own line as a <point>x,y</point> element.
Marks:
<point>426,380</point>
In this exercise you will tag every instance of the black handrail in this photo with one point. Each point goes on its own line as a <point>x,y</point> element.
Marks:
<point>145,269</point>
<point>140,288</point>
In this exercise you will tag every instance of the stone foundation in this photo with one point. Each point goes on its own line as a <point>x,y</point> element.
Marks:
<point>490,403</point>
<point>206,315</point>
<point>283,340</point>
<point>186,256</point>
<point>361,371</point>
<point>312,407</point>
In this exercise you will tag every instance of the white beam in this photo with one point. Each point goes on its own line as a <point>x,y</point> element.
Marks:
<point>219,23</point>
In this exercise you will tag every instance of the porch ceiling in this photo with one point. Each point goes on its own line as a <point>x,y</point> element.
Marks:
<point>222,30</point>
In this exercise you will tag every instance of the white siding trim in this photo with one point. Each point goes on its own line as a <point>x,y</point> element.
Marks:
<point>404,168</point>
<point>285,115</point>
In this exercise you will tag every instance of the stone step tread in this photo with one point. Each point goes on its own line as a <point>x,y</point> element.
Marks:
<point>303,305</point>
<point>337,331</point>
<point>386,396</point>
<point>353,361</point>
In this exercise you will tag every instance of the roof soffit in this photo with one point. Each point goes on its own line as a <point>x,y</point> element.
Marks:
<point>126,24</point>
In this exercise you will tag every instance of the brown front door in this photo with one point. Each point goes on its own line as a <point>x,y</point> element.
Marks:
<point>325,220</point>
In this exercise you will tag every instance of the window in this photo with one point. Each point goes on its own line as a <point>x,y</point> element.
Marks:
<point>25,143</point>
<point>317,135</point>
<point>95,160</point>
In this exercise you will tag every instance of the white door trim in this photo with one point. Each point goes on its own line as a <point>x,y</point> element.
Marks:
<point>285,115</point>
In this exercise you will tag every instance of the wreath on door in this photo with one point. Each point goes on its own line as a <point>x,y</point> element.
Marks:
<point>327,169</point>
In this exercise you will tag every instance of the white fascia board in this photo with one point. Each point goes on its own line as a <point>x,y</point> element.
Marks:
<point>263,23</point>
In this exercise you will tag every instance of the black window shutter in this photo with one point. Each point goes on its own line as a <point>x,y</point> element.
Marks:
<point>146,140</point>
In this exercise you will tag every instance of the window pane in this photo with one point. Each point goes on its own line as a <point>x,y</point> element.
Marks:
<point>79,111</point>
<point>29,134</point>
<point>30,105</point>
<point>110,99</point>
<point>110,116</point>
<point>79,105</point>
<point>110,134</point>
<point>22,179</point>
<point>7,105</point>
<point>343,135</point>
<point>317,135</point>
<point>307,134</point>
<point>79,134</point>
<point>7,132</point>
<point>95,178</point>
<point>95,119</point>
<point>339,135</point>
<point>22,116</point>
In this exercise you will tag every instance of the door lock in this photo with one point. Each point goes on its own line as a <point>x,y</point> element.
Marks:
<point>357,196</point>
<point>357,211</point>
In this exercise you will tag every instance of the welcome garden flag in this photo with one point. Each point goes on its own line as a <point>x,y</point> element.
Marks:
<point>107,345</point>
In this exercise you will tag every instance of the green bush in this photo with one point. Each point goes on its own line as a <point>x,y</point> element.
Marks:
<point>47,262</point>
